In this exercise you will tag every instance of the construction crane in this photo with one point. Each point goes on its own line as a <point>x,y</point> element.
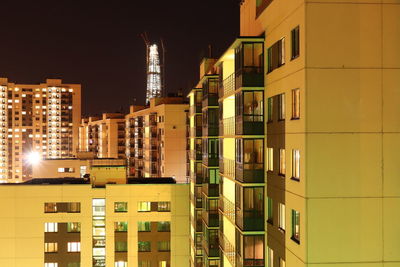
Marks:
<point>154,69</point>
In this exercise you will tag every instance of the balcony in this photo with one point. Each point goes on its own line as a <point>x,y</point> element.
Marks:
<point>227,248</point>
<point>227,168</point>
<point>195,108</point>
<point>210,190</point>
<point>196,178</point>
<point>210,130</point>
<point>249,172</point>
<point>196,154</point>
<point>240,262</point>
<point>227,208</point>
<point>196,131</point>
<point>196,200</point>
<point>212,248</point>
<point>227,86</point>
<point>249,220</point>
<point>196,223</point>
<point>211,218</point>
<point>210,160</point>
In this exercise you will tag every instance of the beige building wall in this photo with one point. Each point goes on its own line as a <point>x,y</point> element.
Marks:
<point>22,219</point>
<point>347,73</point>
<point>40,118</point>
<point>163,140</point>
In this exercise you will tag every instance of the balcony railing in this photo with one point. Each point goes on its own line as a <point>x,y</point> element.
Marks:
<point>250,172</point>
<point>250,125</point>
<point>228,126</point>
<point>227,208</point>
<point>249,220</point>
<point>227,86</point>
<point>211,218</point>
<point>196,178</point>
<point>210,190</point>
<point>227,248</point>
<point>210,160</point>
<point>249,77</point>
<point>211,249</point>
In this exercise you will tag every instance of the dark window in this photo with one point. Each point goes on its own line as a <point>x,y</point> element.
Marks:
<point>276,55</point>
<point>295,42</point>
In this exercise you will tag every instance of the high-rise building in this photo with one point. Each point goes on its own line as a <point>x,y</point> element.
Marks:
<point>105,136</point>
<point>52,223</point>
<point>328,90</point>
<point>156,139</point>
<point>36,121</point>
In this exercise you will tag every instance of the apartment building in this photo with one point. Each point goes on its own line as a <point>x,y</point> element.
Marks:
<point>105,136</point>
<point>156,139</point>
<point>57,224</point>
<point>36,121</point>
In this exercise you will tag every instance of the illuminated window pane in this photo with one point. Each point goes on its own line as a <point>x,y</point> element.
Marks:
<point>296,226</point>
<point>296,104</point>
<point>282,162</point>
<point>144,226</point>
<point>282,216</point>
<point>164,206</point>
<point>163,226</point>
<point>144,246</point>
<point>74,246</point>
<point>270,157</point>
<point>121,206</point>
<point>74,227</point>
<point>295,164</point>
<point>50,247</point>
<point>51,227</point>
<point>50,207</point>
<point>163,246</point>
<point>144,206</point>
<point>121,226</point>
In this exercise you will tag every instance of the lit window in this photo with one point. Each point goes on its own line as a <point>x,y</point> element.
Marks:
<point>50,207</point>
<point>270,254</point>
<point>295,164</point>
<point>281,107</point>
<point>296,226</point>
<point>282,262</point>
<point>270,157</point>
<point>144,263</point>
<point>166,264</point>
<point>51,264</point>
<point>74,246</point>
<point>295,104</point>
<point>121,206</point>
<point>276,55</point>
<point>50,247</point>
<point>73,227</point>
<point>295,34</point>
<point>144,206</point>
<point>51,227</point>
<point>121,226</point>
<point>73,207</point>
<point>164,206</point>
<point>144,226</point>
<point>144,246</point>
<point>163,246</point>
<point>282,216</point>
<point>120,264</point>
<point>282,162</point>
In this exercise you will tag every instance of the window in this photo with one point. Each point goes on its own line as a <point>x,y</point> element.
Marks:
<point>50,207</point>
<point>163,246</point>
<point>144,206</point>
<point>144,264</point>
<point>120,226</point>
<point>164,206</point>
<point>144,226</point>
<point>61,170</point>
<point>270,253</point>
<point>281,107</point>
<point>295,164</point>
<point>73,264</point>
<point>121,246</point>
<point>73,207</point>
<point>50,247</point>
<point>73,227</point>
<point>253,249</point>
<point>144,246</point>
<point>120,206</point>
<point>295,104</point>
<point>166,264</point>
<point>163,227</point>
<point>270,109</point>
<point>51,264</point>
<point>282,216</point>
<point>295,34</point>
<point>252,106</point>
<point>276,55</point>
<point>296,226</point>
<point>121,264</point>
<point>74,246</point>
<point>282,262</point>
<point>270,211</point>
<point>282,162</point>
<point>51,227</point>
<point>270,162</point>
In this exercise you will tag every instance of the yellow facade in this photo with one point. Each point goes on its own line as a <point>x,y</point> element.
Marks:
<point>22,219</point>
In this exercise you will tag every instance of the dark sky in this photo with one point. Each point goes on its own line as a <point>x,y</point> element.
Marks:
<point>97,44</point>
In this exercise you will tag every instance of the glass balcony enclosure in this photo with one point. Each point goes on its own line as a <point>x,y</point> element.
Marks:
<point>249,64</point>
<point>249,250</point>
<point>210,122</point>
<point>249,111</point>
<point>210,90</point>
<point>249,208</point>
<point>249,160</point>
<point>210,152</point>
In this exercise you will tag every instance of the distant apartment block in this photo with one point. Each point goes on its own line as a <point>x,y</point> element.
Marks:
<point>36,121</point>
<point>156,139</point>
<point>104,137</point>
<point>56,224</point>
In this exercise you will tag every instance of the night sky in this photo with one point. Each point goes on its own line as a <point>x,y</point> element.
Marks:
<point>98,44</point>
